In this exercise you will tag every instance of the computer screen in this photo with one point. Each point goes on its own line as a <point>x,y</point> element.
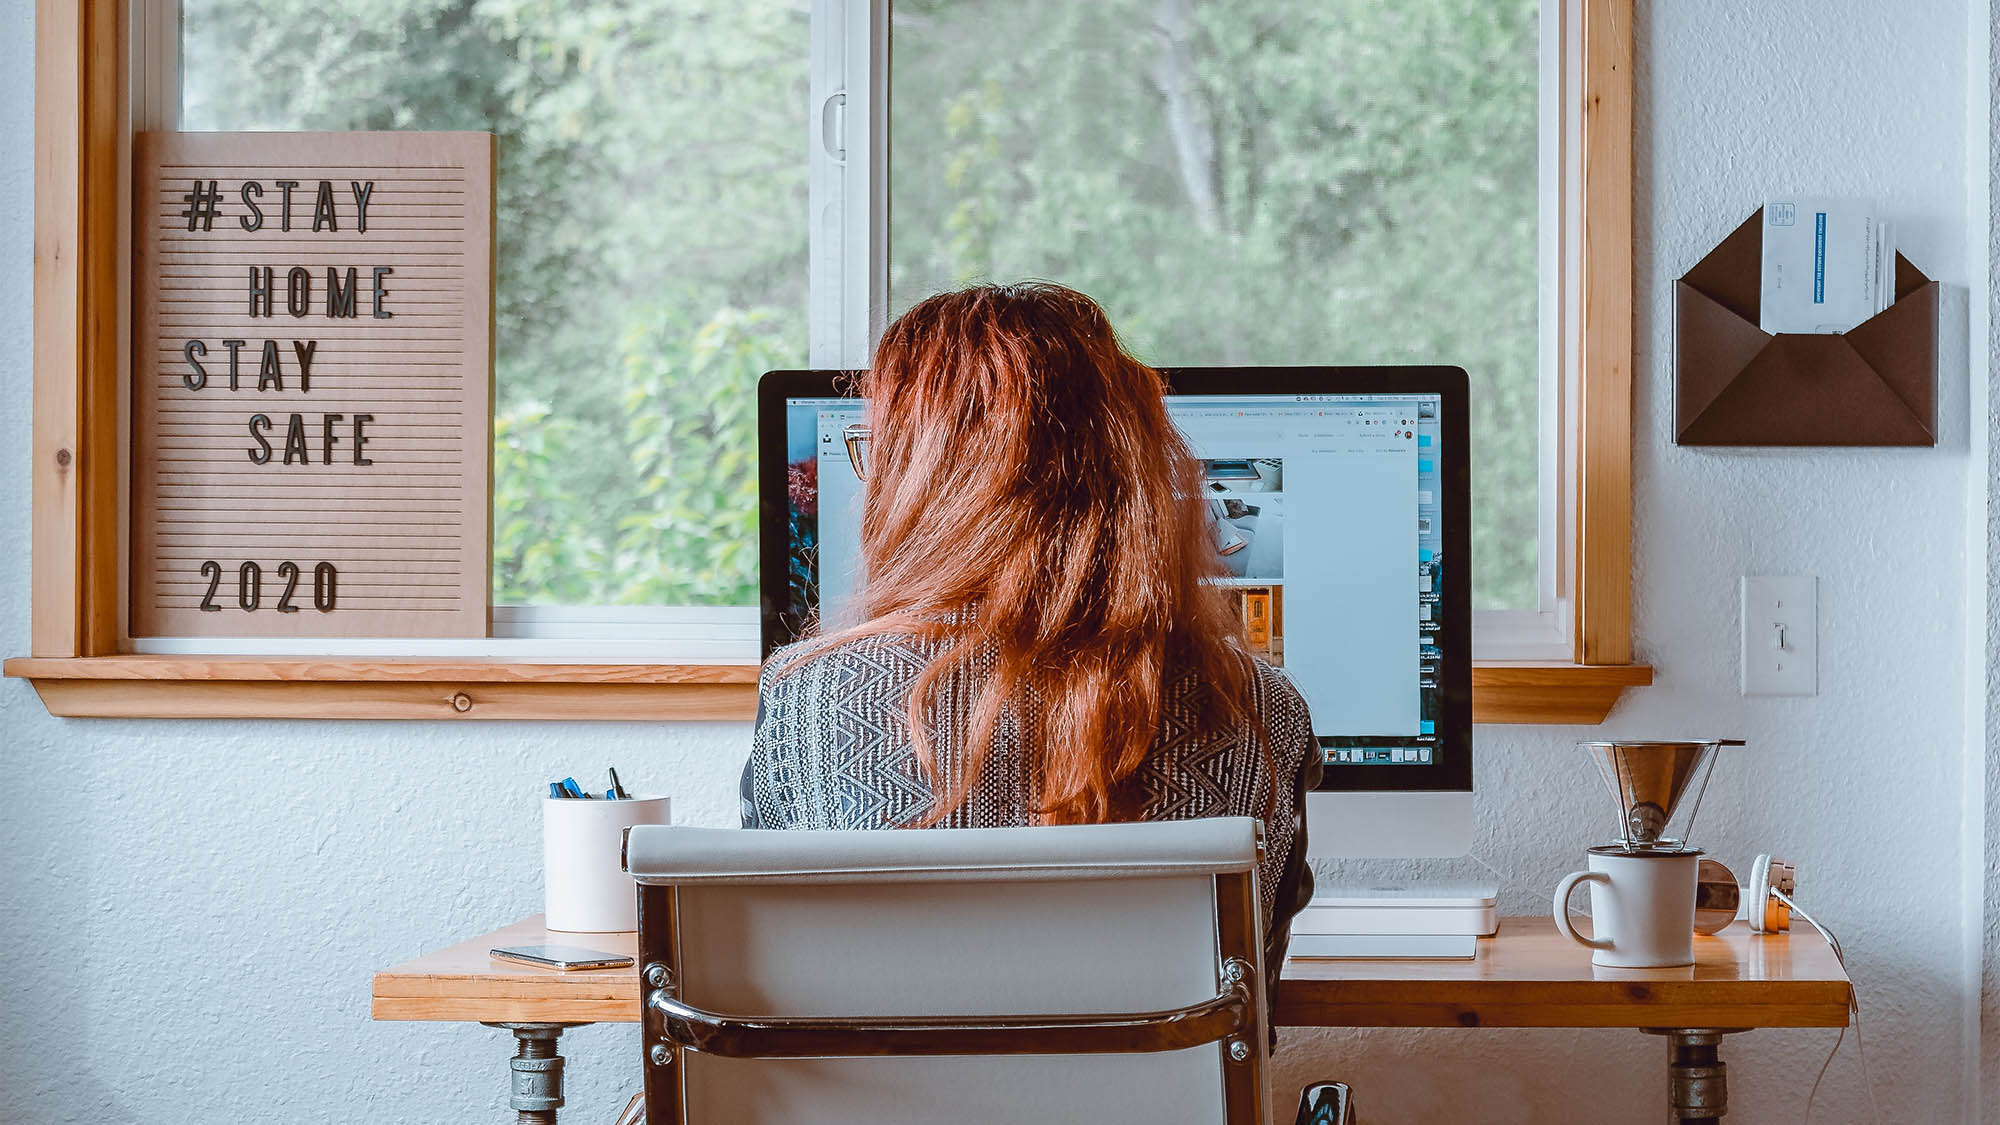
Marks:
<point>1336,500</point>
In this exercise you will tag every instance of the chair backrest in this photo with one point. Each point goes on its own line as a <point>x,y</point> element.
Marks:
<point>1101,973</point>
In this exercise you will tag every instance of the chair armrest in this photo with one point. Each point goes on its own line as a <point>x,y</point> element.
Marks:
<point>1326,1103</point>
<point>1229,1014</point>
<point>780,1037</point>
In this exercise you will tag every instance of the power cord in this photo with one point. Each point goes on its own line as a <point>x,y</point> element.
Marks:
<point>1853,1006</point>
<point>1499,876</point>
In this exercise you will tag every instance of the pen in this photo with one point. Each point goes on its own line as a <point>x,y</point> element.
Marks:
<point>571,788</point>
<point>617,791</point>
<point>556,789</point>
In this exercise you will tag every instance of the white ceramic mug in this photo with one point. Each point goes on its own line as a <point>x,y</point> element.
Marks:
<point>583,878</point>
<point>1641,907</point>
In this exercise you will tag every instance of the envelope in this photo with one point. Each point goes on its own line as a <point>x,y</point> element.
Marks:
<point>1734,384</point>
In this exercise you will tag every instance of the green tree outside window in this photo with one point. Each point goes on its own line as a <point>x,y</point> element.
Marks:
<point>1285,181</point>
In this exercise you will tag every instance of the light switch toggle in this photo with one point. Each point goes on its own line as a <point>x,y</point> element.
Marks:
<point>1780,648</point>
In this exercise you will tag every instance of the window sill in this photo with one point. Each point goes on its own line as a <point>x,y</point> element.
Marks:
<point>1509,691</point>
<point>261,687</point>
<point>249,687</point>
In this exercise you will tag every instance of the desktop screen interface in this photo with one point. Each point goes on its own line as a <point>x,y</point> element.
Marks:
<point>1324,514</point>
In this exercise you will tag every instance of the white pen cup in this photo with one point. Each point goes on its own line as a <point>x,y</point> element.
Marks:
<point>584,883</point>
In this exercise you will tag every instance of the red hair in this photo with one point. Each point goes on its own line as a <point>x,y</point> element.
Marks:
<point>1030,502</point>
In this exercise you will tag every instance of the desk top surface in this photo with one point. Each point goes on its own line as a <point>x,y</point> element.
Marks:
<point>1527,975</point>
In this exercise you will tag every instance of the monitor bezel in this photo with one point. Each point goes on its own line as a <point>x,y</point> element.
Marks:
<point>1452,769</point>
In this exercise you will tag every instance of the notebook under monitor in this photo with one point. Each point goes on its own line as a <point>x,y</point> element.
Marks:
<point>1338,500</point>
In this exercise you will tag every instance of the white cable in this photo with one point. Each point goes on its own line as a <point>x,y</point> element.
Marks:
<point>1818,1078</point>
<point>1496,873</point>
<point>1853,1006</point>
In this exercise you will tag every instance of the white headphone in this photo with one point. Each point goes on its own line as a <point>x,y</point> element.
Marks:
<point>1764,902</point>
<point>1767,905</point>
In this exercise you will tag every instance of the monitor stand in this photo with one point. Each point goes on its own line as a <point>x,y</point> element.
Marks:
<point>1400,919</point>
<point>1390,825</point>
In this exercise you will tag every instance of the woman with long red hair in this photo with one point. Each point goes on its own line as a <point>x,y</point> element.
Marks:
<point>1038,639</point>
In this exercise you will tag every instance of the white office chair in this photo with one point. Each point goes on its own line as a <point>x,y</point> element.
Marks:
<point>1104,973</point>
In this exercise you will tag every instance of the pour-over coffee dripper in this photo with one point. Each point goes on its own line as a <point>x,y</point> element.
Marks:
<point>1644,892</point>
<point>1650,779</point>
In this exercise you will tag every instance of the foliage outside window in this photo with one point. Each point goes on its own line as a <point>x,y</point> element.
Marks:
<point>651,247</point>
<point>1249,181</point>
<point>1277,181</point>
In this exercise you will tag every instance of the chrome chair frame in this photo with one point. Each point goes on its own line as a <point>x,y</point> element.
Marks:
<point>1234,1019</point>
<point>667,1019</point>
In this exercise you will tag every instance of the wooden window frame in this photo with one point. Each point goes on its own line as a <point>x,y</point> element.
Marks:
<point>81,237</point>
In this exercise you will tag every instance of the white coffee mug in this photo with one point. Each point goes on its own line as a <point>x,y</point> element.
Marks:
<point>582,874</point>
<point>1641,907</point>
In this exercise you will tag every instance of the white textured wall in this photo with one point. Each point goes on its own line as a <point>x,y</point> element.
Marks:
<point>1860,785</point>
<point>1986,525</point>
<point>192,909</point>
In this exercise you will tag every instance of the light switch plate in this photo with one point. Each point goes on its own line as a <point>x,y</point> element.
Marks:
<point>1780,635</point>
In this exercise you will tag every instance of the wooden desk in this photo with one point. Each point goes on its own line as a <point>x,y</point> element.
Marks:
<point>1527,975</point>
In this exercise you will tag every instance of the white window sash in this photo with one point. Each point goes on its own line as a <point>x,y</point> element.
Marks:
<point>154,51</point>
<point>847,189</point>
<point>1546,633</point>
<point>525,634</point>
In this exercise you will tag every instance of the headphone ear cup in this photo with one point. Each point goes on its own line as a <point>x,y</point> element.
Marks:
<point>1718,898</point>
<point>1767,914</point>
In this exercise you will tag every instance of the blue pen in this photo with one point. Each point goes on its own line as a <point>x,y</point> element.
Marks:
<point>556,789</point>
<point>571,788</point>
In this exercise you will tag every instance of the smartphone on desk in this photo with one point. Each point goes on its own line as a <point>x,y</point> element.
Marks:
<point>562,957</point>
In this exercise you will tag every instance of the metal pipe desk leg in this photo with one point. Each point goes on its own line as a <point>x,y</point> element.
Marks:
<point>1697,1080</point>
<point>537,1071</point>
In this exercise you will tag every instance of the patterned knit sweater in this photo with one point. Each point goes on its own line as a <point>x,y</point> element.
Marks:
<point>832,750</point>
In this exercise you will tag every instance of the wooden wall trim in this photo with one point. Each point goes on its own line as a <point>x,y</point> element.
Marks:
<point>1571,694</point>
<point>1603,412</point>
<point>56,533</point>
<point>396,699</point>
<point>229,687</point>
<point>180,687</point>
<point>79,97</point>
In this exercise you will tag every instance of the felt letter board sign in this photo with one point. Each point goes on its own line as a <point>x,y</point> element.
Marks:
<point>312,384</point>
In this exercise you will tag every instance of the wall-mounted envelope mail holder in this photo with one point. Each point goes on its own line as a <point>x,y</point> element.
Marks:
<point>1737,385</point>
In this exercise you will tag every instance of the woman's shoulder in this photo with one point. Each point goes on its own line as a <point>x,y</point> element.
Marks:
<point>853,660</point>
<point>1282,706</point>
<point>1274,688</point>
<point>1271,698</point>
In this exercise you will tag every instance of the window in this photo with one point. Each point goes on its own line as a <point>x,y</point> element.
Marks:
<point>1198,165</point>
<point>651,250</point>
<point>1243,181</point>
<point>1249,181</point>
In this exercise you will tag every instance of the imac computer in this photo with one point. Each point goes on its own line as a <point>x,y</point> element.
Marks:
<point>1339,500</point>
